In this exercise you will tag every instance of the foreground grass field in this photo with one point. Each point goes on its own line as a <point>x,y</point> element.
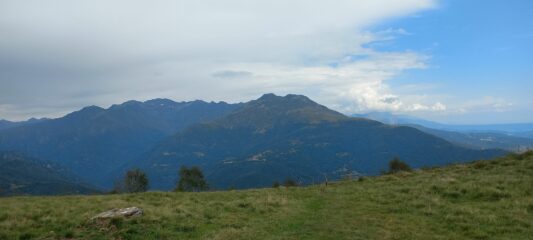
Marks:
<point>483,200</point>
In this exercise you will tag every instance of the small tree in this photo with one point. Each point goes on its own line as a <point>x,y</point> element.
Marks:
<point>397,165</point>
<point>135,181</point>
<point>191,180</point>
<point>290,183</point>
<point>275,184</point>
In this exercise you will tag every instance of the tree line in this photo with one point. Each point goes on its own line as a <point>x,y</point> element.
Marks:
<point>192,179</point>
<point>134,181</point>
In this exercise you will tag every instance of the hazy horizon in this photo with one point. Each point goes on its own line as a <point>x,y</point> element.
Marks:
<point>347,114</point>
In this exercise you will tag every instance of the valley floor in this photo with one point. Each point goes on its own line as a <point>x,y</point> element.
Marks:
<point>483,200</point>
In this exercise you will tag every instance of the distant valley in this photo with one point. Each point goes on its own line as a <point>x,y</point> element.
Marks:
<point>511,137</point>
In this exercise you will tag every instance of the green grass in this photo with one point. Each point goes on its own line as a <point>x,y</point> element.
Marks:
<point>483,200</point>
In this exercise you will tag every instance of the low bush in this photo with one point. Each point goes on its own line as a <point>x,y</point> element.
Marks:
<point>397,165</point>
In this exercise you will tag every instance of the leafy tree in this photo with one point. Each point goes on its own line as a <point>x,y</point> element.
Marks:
<point>290,183</point>
<point>397,165</point>
<point>135,181</point>
<point>275,184</point>
<point>191,180</point>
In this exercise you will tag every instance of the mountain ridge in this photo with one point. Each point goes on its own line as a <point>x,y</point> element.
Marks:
<point>93,141</point>
<point>6,124</point>
<point>241,145</point>
<point>279,139</point>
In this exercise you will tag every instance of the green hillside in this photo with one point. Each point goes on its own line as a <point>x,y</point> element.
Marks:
<point>483,200</point>
<point>24,175</point>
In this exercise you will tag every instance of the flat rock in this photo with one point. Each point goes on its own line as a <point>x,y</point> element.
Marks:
<point>120,212</point>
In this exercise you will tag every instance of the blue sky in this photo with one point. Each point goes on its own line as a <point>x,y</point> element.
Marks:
<point>453,61</point>
<point>479,50</point>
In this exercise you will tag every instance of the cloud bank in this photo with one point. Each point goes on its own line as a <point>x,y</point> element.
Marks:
<point>59,55</point>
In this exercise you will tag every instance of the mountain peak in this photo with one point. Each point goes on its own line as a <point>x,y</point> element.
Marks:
<point>289,102</point>
<point>85,112</point>
<point>297,97</point>
<point>89,110</point>
<point>160,101</point>
<point>131,102</point>
<point>271,109</point>
<point>127,104</point>
<point>288,97</point>
<point>92,108</point>
<point>268,96</point>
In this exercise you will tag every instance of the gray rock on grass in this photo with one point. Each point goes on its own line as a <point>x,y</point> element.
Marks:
<point>120,212</point>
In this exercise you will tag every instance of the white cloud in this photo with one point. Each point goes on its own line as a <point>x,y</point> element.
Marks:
<point>421,107</point>
<point>101,52</point>
<point>485,104</point>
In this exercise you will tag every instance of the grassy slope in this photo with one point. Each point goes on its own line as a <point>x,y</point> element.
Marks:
<point>483,200</point>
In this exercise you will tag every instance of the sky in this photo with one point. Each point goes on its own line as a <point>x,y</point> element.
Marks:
<point>452,61</point>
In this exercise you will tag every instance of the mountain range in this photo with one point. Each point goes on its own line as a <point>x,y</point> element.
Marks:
<point>94,141</point>
<point>4,124</point>
<point>240,145</point>
<point>274,138</point>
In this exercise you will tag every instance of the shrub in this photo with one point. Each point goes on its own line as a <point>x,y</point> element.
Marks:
<point>275,184</point>
<point>290,183</point>
<point>135,181</point>
<point>397,165</point>
<point>191,180</point>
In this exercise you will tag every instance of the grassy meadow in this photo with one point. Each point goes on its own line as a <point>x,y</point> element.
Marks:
<point>483,200</point>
